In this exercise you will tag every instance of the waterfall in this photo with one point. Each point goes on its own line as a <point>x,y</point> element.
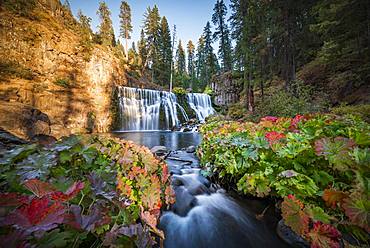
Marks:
<point>140,109</point>
<point>201,104</point>
<point>149,110</point>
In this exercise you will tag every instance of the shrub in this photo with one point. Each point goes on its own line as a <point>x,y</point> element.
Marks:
<point>13,69</point>
<point>63,82</point>
<point>179,91</point>
<point>82,191</point>
<point>319,164</point>
<point>362,110</point>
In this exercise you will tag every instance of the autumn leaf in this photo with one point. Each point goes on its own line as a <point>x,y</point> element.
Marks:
<point>324,236</point>
<point>294,216</point>
<point>151,220</point>
<point>336,151</point>
<point>69,194</point>
<point>38,215</point>
<point>12,199</point>
<point>333,197</point>
<point>39,188</point>
<point>357,209</point>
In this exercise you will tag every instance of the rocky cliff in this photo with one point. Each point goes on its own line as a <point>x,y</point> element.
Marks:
<point>226,89</point>
<point>49,82</point>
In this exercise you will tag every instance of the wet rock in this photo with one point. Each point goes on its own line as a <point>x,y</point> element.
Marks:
<point>184,201</point>
<point>44,140</point>
<point>190,149</point>
<point>290,237</point>
<point>159,150</point>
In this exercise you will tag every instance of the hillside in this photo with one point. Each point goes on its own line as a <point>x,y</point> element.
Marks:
<point>46,70</point>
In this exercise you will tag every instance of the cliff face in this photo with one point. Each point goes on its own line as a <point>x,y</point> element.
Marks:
<point>226,90</point>
<point>44,66</point>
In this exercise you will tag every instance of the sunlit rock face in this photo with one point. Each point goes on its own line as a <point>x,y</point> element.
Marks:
<point>44,66</point>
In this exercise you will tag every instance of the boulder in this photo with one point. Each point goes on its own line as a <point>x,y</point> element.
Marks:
<point>23,120</point>
<point>190,149</point>
<point>159,150</point>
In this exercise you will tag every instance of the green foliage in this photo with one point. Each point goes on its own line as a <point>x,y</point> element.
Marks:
<point>362,110</point>
<point>106,31</point>
<point>82,190</point>
<point>179,91</point>
<point>20,7</point>
<point>63,82</point>
<point>319,159</point>
<point>302,100</point>
<point>12,69</point>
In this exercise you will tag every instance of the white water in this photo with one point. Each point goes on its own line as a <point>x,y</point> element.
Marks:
<point>140,109</point>
<point>201,104</point>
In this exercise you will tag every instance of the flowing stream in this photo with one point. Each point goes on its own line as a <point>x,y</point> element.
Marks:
<point>204,215</point>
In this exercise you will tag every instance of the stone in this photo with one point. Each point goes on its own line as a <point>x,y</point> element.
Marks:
<point>190,149</point>
<point>159,150</point>
<point>184,201</point>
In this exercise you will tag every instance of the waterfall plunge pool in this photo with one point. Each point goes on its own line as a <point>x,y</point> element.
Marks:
<point>172,140</point>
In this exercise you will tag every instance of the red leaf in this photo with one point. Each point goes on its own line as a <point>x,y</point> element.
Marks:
<point>39,188</point>
<point>269,118</point>
<point>38,215</point>
<point>324,236</point>
<point>333,197</point>
<point>12,199</point>
<point>69,194</point>
<point>274,136</point>
<point>294,122</point>
<point>165,174</point>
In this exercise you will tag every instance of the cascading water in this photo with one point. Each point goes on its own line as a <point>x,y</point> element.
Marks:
<point>140,109</point>
<point>201,104</point>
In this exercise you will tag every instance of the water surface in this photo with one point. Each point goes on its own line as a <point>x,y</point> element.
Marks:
<point>171,140</point>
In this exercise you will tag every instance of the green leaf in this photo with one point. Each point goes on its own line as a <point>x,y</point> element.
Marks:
<point>357,209</point>
<point>317,214</point>
<point>56,239</point>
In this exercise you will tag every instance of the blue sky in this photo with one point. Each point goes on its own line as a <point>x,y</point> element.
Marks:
<point>190,16</point>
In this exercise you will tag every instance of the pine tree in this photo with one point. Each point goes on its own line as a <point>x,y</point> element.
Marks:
<point>152,28</point>
<point>222,34</point>
<point>106,31</point>
<point>85,22</point>
<point>165,52</point>
<point>200,61</point>
<point>191,69</point>
<point>180,60</point>
<point>143,50</point>
<point>210,59</point>
<point>125,24</point>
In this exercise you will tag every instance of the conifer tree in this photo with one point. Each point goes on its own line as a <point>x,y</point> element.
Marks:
<point>180,60</point>
<point>210,59</point>
<point>152,28</point>
<point>85,22</point>
<point>106,31</point>
<point>165,52</point>
<point>222,34</point>
<point>191,69</point>
<point>125,24</point>
<point>143,50</point>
